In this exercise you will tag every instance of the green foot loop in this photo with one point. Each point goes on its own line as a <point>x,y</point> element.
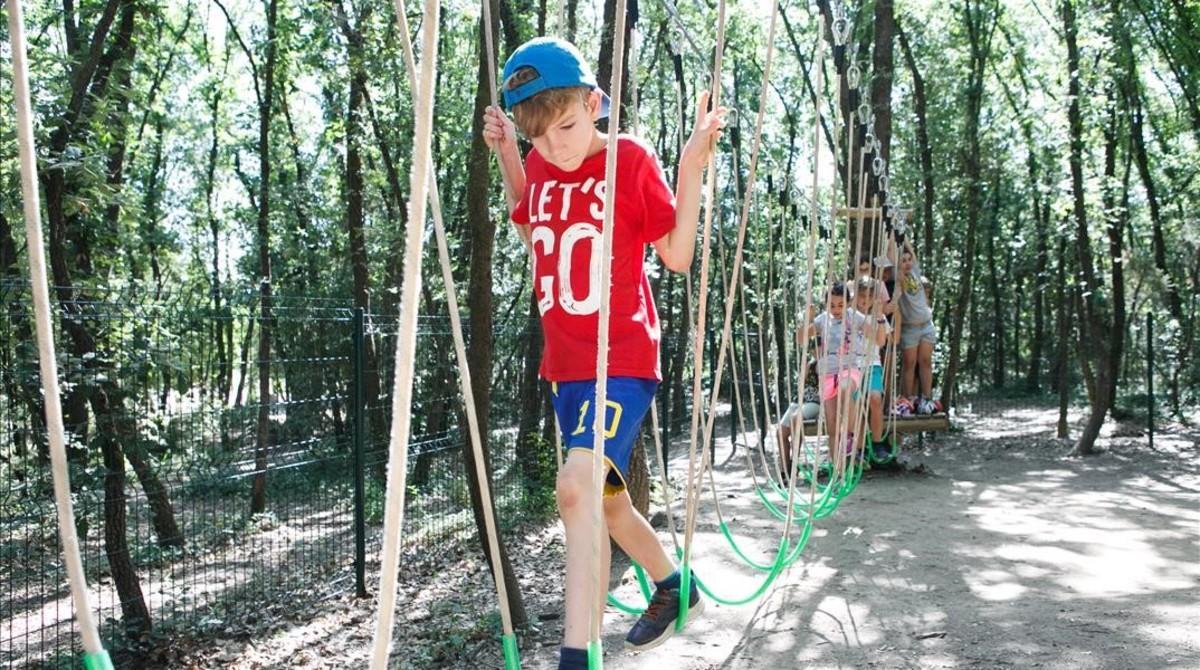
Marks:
<point>595,655</point>
<point>512,657</point>
<point>97,661</point>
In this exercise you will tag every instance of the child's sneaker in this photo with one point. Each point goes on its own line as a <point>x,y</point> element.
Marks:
<point>572,659</point>
<point>658,621</point>
<point>903,407</point>
<point>849,444</point>
<point>924,406</point>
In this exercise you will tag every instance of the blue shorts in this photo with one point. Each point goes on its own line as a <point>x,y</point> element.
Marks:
<point>874,381</point>
<point>628,400</point>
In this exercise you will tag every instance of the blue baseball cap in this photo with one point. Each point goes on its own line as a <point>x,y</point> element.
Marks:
<point>558,65</point>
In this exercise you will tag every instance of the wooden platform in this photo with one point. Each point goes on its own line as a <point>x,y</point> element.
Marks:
<point>927,423</point>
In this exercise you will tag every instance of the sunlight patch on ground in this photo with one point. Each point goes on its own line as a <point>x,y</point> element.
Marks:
<point>1165,627</point>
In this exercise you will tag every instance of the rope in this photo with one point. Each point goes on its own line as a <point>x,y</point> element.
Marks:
<point>94,654</point>
<point>406,345</point>
<point>464,370</point>
<point>693,484</point>
<point>668,498</point>
<point>599,529</point>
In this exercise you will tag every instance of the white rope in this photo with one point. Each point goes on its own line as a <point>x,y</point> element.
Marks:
<point>694,479</point>
<point>47,362</point>
<point>599,528</point>
<point>813,234</point>
<point>393,519</point>
<point>668,491</point>
<point>460,350</point>
<point>731,294</point>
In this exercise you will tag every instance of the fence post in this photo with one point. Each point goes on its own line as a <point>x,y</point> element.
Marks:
<point>1150,373</point>
<point>360,430</point>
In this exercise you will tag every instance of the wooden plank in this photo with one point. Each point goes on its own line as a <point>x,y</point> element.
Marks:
<point>928,423</point>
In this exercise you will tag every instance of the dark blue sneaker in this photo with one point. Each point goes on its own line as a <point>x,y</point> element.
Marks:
<point>572,659</point>
<point>658,621</point>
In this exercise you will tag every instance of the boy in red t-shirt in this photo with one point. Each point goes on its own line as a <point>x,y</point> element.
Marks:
<point>556,200</point>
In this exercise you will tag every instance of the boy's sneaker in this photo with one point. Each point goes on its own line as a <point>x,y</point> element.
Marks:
<point>572,659</point>
<point>658,621</point>
<point>924,406</point>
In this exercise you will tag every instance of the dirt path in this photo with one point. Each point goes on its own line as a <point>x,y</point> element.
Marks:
<point>1007,553</point>
<point>1010,554</point>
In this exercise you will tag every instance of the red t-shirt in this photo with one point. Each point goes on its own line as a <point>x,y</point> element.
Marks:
<point>566,212</point>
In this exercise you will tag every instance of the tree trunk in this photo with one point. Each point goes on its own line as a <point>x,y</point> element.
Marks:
<point>528,449</point>
<point>997,316</point>
<point>89,86</point>
<point>134,613</point>
<point>482,233</point>
<point>1136,130</point>
<point>979,18</point>
<point>1064,335</point>
<point>355,217</point>
<point>639,478</point>
<point>1102,339</point>
<point>923,149</point>
<point>1041,222</point>
<point>605,61</point>
<point>163,514</point>
<point>883,63</point>
<point>258,493</point>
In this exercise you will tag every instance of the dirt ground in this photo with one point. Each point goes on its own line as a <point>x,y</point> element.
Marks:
<point>1005,552</point>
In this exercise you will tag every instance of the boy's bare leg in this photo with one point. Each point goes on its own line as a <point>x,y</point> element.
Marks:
<point>633,533</point>
<point>925,367</point>
<point>575,504</point>
<point>908,371</point>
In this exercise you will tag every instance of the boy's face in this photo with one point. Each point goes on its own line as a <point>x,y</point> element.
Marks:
<point>906,262</point>
<point>837,306</point>
<point>568,138</point>
<point>864,269</point>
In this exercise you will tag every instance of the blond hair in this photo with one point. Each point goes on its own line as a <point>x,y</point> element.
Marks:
<point>533,115</point>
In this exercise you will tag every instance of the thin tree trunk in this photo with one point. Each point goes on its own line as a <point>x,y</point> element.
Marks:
<point>529,450</point>
<point>1064,335</point>
<point>1041,222</point>
<point>924,149</point>
<point>979,18</point>
<point>482,231</point>
<point>997,316</point>
<point>1102,339</point>
<point>163,513</point>
<point>258,493</point>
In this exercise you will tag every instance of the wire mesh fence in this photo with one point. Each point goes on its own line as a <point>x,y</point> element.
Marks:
<point>172,440</point>
<point>171,428</point>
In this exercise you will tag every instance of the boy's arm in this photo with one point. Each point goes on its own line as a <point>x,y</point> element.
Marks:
<point>677,247</point>
<point>501,137</point>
